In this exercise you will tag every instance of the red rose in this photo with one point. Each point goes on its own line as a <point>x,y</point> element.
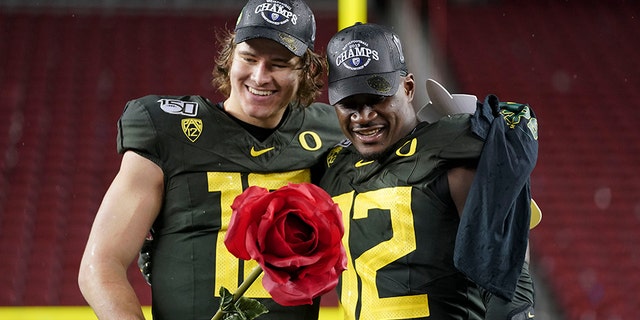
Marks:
<point>295,235</point>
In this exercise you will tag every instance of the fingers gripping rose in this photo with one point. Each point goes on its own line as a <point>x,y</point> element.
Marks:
<point>295,235</point>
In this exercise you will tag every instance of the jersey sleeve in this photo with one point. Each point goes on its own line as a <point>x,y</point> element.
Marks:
<point>462,143</point>
<point>136,130</point>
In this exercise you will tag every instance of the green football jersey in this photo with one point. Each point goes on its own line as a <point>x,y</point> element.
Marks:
<point>208,159</point>
<point>399,233</point>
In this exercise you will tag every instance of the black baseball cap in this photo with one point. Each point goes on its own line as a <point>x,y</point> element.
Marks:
<point>288,22</point>
<point>364,58</point>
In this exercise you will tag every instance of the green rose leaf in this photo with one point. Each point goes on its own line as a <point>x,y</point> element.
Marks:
<point>250,308</point>
<point>226,299</point>
<point>242,309</point>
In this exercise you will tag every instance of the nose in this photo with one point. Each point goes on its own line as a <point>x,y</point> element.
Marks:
<point>260,74</point>
<point>364,114</point>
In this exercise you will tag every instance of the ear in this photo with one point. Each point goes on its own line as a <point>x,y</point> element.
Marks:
<point>409,85</point>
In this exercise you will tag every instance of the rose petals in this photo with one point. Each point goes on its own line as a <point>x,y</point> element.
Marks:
<point>295,234</point>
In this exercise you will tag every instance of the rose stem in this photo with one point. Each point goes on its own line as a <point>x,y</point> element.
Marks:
<point>255,273</point>
<point>248,281</point>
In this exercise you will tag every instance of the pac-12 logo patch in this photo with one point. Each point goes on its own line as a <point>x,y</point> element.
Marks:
<point>192,128</point>
<point>333,155</point>
<point>356,55</point>
<point>276,12</point>
<point>175,106</point>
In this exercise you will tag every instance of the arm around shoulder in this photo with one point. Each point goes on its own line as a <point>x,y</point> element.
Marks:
<point>460,179</point>
<point>126,214</point>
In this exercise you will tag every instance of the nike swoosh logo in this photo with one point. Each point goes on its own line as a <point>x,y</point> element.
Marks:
<point>255,153</point>
<point>530,315</point>
<point>362,163</point>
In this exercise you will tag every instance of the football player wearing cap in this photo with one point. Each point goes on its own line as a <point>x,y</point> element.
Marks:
<point>185,159</point>
<point>402,186</point>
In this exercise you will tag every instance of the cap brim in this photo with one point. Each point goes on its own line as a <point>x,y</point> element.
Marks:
<point>383,84</point>
<point>293,44</point>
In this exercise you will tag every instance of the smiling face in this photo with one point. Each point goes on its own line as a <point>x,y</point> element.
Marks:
<point>374,123</point>
<point>265,77</point>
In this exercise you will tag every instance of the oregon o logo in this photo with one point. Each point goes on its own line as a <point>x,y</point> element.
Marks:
<point>412,148</point>
<point>310,136</point>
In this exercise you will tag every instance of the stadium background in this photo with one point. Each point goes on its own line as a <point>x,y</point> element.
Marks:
<point>67,68</point>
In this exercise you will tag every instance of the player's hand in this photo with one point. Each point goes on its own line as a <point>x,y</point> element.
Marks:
<point>144,259</point>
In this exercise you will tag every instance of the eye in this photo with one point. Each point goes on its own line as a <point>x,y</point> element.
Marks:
<point>347,105</point>
<point>360,100</point>
<point>249,59</point>
<point>290,64</point>
<point>374,99</point>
